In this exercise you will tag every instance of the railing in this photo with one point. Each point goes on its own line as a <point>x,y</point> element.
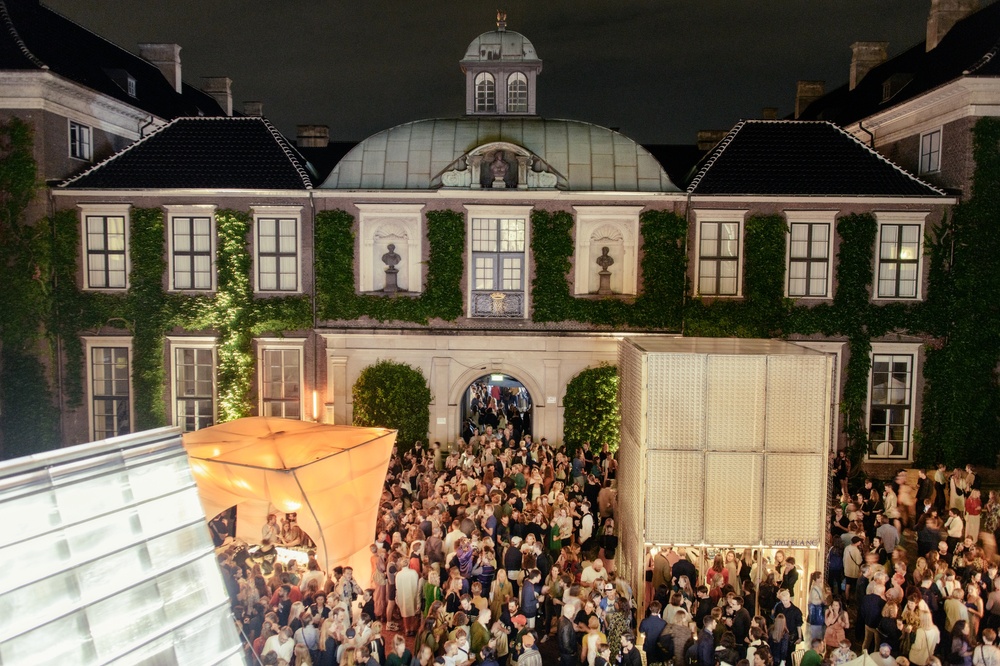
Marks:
<point>498,304</point>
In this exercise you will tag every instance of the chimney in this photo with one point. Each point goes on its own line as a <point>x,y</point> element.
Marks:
<point>769,113</point>
<point>944,14</point>
<point>167,57</point>
<point>253,108</point>
<point>708,139</point>
<point>220,87</point>
<point>807,92</point>
<point>865,56</point>
<point>312,136</point>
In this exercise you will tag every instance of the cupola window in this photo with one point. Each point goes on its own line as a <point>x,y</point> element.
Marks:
<point>517,93</point>
<point>486,93</point>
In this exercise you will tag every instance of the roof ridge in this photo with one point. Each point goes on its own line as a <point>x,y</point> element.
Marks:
<point>716,152</point>
<point>881,157</point>
<point>283,144</point>
<point>115,156</point>
<point>984,60</point>
<point>12,29</point>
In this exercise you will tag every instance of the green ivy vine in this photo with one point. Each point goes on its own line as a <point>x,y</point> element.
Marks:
<point>337,298</point>
<point>149,313</point>
<point>29,421</point>
<point>658,307</point>
<point>961,410</point>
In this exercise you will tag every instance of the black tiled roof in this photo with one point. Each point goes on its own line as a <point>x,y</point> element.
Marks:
<point>203,153</point>
<point>800,158</point>
<point>33,37</point>
<point>970,48</point>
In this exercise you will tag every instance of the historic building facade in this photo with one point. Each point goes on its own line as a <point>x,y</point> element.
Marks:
<point>237,281</point>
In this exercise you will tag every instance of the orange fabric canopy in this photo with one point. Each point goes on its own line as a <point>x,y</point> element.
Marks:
<point>331,476</point>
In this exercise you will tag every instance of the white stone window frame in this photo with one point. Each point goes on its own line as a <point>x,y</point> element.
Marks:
<point>407,218</point>
<point>180,342</point>
<point>726,216</point>
<point>104,210</point>
<point>80,144</point>
<point>511,79</point>
<point>277,212</point>
<point>903,217</point>
<point>282,344</point>
<point>192,210</point>
<point>111,341</point>
<point>625,219</point>
<point>911,349</point>
<point>498,212</point>
<point>935,165</point>
<point>828,217</point>
<point>481,102</point>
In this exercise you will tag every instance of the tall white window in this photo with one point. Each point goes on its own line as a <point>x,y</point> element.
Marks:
<point>809,260</point>
<point>890,405</point>
<point>899,260</point>
<point>517,93</point>
<point>192,250</point>
<point>194,385</point>
<point>105,246</point>
<point>486,92</point>
<point>930,152</point>
<point>281,380</point>
<point>498,242</point>
<point>109,386</point>
<point>719,258</point>
<point>279,247</point>
<point>81,144</point>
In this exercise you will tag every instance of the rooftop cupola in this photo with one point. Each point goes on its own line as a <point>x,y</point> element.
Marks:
<point>500,69</point>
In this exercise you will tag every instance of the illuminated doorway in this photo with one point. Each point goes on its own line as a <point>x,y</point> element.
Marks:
<point>496,400</point>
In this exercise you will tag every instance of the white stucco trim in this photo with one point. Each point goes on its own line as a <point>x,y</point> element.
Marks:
<point>407,219</point>
<point>588,220</point>
<point>50,92</point>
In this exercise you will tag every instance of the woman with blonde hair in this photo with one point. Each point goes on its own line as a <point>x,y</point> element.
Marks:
<point>500,591</point>
<point>301,654</point>
<point>925,640</point>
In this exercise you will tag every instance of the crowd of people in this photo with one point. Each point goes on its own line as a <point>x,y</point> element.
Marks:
<point>483,554</point>
<point>501,552</point>
<point>935,602</point>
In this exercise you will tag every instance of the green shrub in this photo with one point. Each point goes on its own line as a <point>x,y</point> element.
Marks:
<point>393,395</point>
<point>591,409</point>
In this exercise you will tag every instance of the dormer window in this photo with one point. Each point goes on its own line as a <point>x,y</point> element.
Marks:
<point>130,84</point>
<point>517,93</point>
<point>486,93</point>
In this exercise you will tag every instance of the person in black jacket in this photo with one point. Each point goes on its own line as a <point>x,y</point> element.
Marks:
<point>738,620</point>
<point>704,648</point>
<point>566,639</point>
<point>651,627</point>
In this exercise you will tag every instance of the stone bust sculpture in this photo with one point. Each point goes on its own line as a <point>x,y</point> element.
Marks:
<point>499,167</point>
<point>605,260</point>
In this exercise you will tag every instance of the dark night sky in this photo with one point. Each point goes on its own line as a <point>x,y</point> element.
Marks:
<point>658,69</point>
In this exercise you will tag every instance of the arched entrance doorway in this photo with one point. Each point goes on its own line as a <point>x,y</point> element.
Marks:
<point>496,399</point>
